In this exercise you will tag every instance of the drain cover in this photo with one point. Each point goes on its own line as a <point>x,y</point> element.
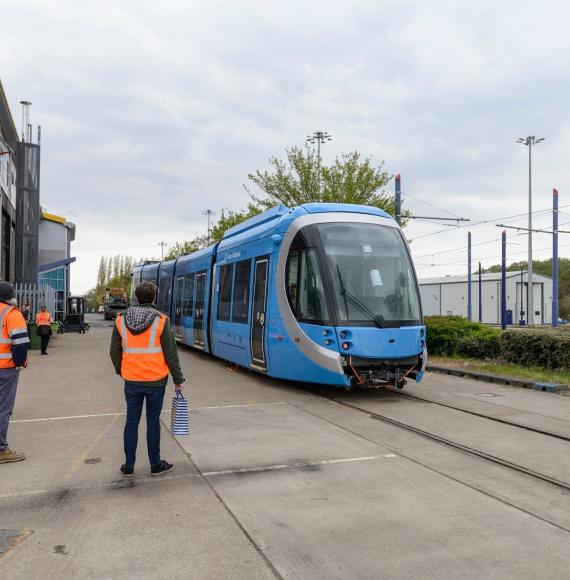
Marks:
<point>91,460</point>
<point>10,539</point>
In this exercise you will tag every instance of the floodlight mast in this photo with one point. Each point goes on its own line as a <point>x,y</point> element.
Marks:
<point>319,137</point>
<point>529,142</point>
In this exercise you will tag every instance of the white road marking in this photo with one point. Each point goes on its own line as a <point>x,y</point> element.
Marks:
<point>293,465</point>
<point>175,476</point>
<point>65,418</point>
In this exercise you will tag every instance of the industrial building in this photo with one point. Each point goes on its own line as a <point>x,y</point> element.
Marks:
<point>8,147</point>
<point>35,246</point>
<point>55,237</point>
<point>447,296</point>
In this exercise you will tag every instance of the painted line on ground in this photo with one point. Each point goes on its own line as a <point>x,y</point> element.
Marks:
<point>126,483</point>
<point>68,417</point>
<point>299,465</point>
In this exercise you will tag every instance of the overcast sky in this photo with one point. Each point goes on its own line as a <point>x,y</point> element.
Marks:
<point>152,112</point>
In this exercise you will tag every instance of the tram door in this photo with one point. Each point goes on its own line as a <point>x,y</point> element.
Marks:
<point>258,312</point>
<point>199,310</point>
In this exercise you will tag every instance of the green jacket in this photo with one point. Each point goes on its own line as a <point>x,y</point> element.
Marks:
<point>169,348</point>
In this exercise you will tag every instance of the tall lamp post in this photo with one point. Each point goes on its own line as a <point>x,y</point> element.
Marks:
<point>319,137</point>
<point>529,142</point>
<point>162,244</point>
<point>209,213</point>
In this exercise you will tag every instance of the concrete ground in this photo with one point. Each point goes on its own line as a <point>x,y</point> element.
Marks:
<point>277,482</point>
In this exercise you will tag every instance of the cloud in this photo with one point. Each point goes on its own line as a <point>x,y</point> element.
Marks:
<point>152,112</point>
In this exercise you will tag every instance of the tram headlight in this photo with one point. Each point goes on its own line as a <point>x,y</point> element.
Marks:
<point>346,345</point>
<point>343,333</point>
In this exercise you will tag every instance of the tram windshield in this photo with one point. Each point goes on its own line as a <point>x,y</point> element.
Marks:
<point>371,274</point>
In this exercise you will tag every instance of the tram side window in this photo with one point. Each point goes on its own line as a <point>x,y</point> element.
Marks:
<point>164,294</point>
<point>304,286</point>
<point>188,297</point>
<point>225,292</point>
<point>241,292</point>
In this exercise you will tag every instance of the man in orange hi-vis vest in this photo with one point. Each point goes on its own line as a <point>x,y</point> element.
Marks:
<point>14,343</point>
<point>43,322</point>
<point>144,352</point>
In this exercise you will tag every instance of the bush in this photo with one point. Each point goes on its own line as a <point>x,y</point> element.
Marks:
<point>451,335</point>
<point>535,348</point>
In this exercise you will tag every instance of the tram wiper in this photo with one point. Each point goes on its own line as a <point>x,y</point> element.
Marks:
<point>378,319</point>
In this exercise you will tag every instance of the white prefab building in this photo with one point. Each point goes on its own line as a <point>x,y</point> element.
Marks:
<point>447,296</point>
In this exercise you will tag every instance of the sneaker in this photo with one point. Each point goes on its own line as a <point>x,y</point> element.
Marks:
<point>127,471</point>
<point>162,468</point>
<point>8,456</point>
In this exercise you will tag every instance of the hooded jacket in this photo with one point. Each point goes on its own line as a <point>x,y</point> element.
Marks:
<point>137,320</point>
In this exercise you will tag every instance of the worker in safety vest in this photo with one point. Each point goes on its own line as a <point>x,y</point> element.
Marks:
<point>43,322</point>
<point>14,344</point>
<point>144,352</point>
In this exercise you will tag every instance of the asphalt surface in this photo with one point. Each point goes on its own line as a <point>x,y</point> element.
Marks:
<point>276,481</point>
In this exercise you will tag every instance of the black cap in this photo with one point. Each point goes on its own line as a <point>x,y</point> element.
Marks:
<point>6,291</point>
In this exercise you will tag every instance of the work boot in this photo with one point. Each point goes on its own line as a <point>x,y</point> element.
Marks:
<point>8,456</point>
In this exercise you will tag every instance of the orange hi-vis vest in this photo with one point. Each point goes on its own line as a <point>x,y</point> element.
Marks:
<point>143,359</point>
<point>12,323</point>
<point>43,318</point>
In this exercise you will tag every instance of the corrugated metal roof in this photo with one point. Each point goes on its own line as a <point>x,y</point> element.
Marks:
<point>487,277</point>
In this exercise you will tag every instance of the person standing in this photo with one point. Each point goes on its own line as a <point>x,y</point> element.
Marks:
<point>43,322</point>
<point>143,351</point>
<point>26,311</point>
<point>14,344</point>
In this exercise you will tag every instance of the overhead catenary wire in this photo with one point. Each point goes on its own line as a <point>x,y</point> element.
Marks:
<point>483,222</point>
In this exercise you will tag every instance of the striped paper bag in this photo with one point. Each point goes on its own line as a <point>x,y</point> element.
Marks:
<point>179,418</point>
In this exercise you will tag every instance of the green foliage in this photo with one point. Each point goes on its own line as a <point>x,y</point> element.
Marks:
<point>186,247</point>
<point>302,178</point>
<point>233,219</point>
<point>544,267</point>
<point>113,272</point>
<point>454,335</point>
<point>532,348</point>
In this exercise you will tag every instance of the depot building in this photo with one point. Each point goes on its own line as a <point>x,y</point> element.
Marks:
<point>447,296</point>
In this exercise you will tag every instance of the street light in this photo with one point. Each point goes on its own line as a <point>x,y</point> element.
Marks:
<point>162,244</point>
<point>529,142</point>
<point>319,137</point>
<point>209,213</point>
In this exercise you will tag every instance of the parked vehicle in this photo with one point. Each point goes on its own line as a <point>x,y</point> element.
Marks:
<point>322,293</point>
<point>116,301</point>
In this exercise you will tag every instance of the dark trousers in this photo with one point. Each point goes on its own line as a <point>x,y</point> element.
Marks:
<point>8,386</point>
<point>135,395</point>
<point>44,341</point>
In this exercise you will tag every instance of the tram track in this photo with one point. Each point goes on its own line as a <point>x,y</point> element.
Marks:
<point>560,484</point>
<point>483,416</point>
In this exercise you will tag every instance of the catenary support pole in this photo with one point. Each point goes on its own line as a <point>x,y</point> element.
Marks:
<point>521,319</point>
<point>480,296</point>
<point>554,258</point>
<point>504,280</point>
<point>469,303</point>
<point>398,196</point>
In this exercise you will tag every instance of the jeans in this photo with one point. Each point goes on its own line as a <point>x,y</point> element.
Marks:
<point>135,395</point>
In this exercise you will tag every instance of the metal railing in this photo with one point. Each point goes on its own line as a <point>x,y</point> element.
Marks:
<point>37,296</point>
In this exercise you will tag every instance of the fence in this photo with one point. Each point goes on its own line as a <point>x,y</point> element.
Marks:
<point>37,296</point>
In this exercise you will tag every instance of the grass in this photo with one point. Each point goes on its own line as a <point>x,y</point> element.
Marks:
<point>537,374</point>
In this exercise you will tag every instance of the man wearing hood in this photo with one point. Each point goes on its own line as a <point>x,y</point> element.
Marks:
<point>143,351</point>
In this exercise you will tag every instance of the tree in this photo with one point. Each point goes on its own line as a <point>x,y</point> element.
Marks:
<point>303,178</point>
<point>187,247</point>
<point>233,219</point>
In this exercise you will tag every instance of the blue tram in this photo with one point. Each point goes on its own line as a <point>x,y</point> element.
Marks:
<point>321,293</point>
